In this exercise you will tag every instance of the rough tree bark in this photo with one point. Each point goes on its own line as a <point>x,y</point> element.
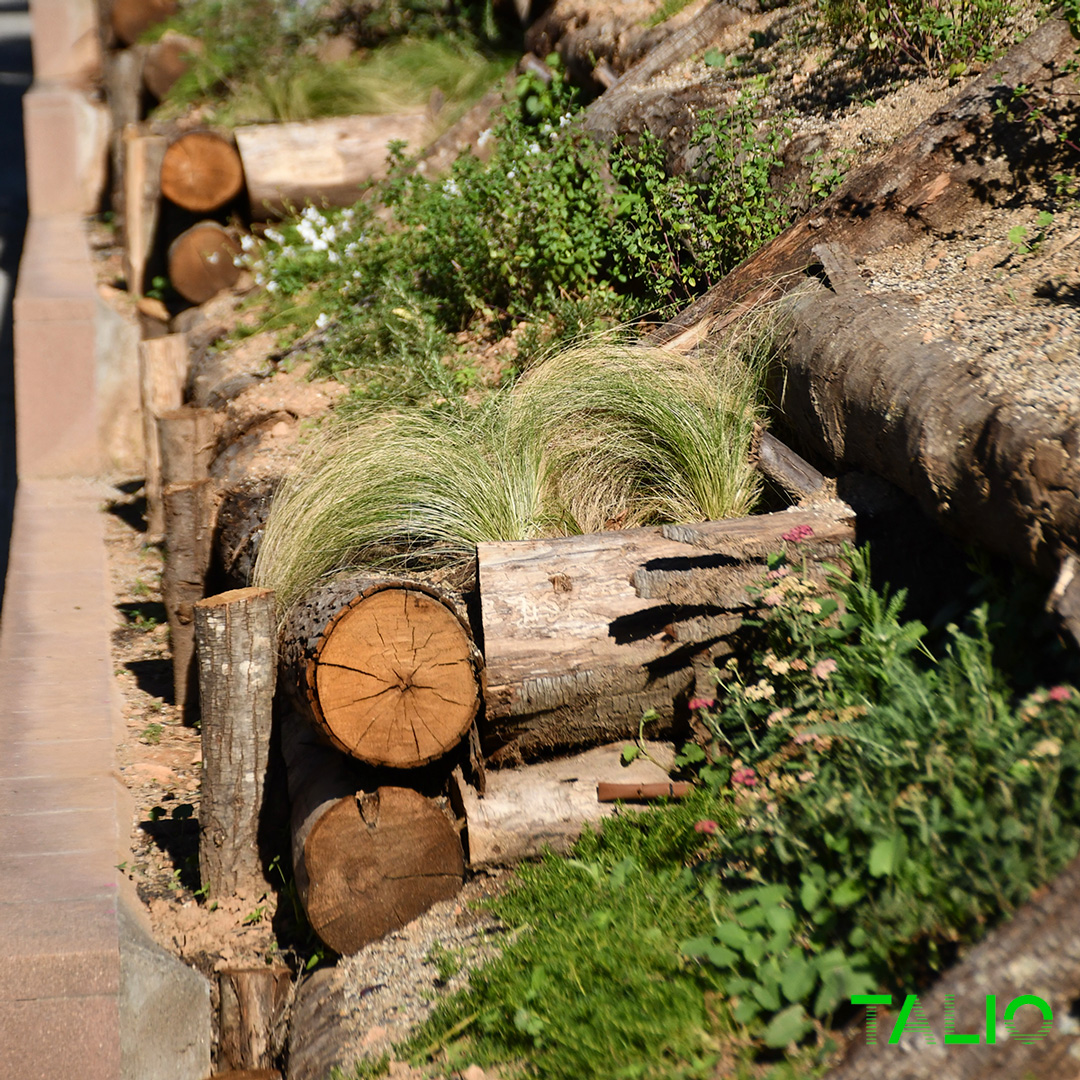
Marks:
<point>162,371</point>
<point>186,444</point>
<point>964,155</point>
<point>142,155</point>
<point>235,636</point>
<point>241,519</point>
<point>865,390</point>
<point>253,1006</point>
<point>386,668</point>
<point>365,863</point>
<point>189,527</point>
<point>584,634</point>
<point>1038,952</point>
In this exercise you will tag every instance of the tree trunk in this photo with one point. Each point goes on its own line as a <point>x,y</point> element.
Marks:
<point>524,810</point>
<point>253,1004</point>
<point>365,863</point>
<point>201,171</point>
<point>607,115</point>
<point>235,636</point>
<point>167,60</point>
<point>201,262</point>
<point>967,153</point>
<point>186,442</point>
<point>130,19</point>
<point>864,389</point>
<point>584,634</point>
<point>162,371</point>
<point>143,155</point>
<point>320,1036</point>
<point>189,526</point>
<point>619,38</point>
<point>240,522</point>
<point>1038,952</point>
<point>387,669</point>
<point>320,161</point>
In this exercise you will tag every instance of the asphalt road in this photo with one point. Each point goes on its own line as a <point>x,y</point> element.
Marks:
<point>15,76</point>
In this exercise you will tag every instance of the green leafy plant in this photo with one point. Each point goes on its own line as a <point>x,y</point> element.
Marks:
<point>152,734</point>
<point>1020,238</point>
<point>922,793</point>
<point>447,962</point>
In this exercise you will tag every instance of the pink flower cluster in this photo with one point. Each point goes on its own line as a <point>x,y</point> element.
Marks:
<point>745,777</point>
<point>1059,693</point>
<point>706,826</point>
<point>798,534</point>
<point>701,703</point>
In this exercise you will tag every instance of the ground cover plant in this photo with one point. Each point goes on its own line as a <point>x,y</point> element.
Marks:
<point>871,797</point>
<point>546,235</point>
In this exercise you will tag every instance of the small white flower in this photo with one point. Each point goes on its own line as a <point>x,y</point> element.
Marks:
<point>213,257</point>
<point>348,215</point>
<point>511,174</point>
<point>356,275</point>
<point>323,321</point>
<point>350,249</point>
<point>238,261</point>
<point>333,256</point>
<point>247,242</point>
<point>274,235</point>
<point>564,120</point>
<point>272,286</point>
<point>259,279</point>
<point>533,148</point>
<point>319,244</point>
<point>483,138</point>
<point>450,188</point>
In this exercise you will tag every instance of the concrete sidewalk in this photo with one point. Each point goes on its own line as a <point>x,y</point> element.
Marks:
<point>59,842</point>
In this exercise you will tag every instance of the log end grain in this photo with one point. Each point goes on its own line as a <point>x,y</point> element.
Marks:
<point>201,171</point>
<point>376,862</point>
<point>395,680</point>
<point>201,262</point>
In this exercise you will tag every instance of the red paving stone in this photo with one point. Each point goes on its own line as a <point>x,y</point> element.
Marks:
<point>59,944</point>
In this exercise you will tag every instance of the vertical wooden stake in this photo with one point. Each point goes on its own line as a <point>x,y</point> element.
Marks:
<point>235,634</point>
<point>189,511</point>
<point>162,372</point>
<point>253,1002</point>
<point>186,444</point>
<point>142,155</point>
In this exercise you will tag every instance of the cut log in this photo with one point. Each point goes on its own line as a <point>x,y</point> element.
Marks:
<point>167,60</point>
<point>619,38</point>
<point>864,389</point>
<point>321,1038</point>
<point>786,468</point>
<point>189,527</point>
<point>143,155</point>
<point>965,154</point>
<point>245,506</point>
<point>606,116</point>
<point>584,634</point>
<point>201,171</point>
<point>162,373</point>
<point>1038,952</point>
<point>386,668</point>
<point>320,161</point>
<point>186,442</point>
<point>202,262</point>
<point>523,811</point>
<point>365,863</point>
<point>130,19</point>
<point>234,634</point>
<point>252,1013</point>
